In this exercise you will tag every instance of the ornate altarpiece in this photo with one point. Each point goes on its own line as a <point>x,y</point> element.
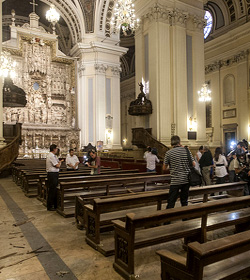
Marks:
<point>48,78</point>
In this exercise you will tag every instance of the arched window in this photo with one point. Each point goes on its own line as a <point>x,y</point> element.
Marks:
<point>208,27</point>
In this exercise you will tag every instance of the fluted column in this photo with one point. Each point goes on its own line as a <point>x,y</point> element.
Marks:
<point>199,78</point>
<point>180,74</point>
<point>116,107</point>
<point>100,100</point>
<point>2,143</point>
<point>99,84</point>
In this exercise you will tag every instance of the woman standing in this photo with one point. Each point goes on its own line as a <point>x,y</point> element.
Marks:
<point>220,164</point>
<point>197,158</point>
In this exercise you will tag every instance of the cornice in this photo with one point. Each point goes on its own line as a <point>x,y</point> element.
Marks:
<point>96,46</point>
<point>217,65</point>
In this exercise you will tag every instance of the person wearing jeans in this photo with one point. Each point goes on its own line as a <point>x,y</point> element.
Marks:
<point>177,161</point>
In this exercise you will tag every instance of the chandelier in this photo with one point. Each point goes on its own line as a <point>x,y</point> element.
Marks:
<point>124,17</point>
<point>204,94</point>
<point>52,16</point>
<point>7,65</point>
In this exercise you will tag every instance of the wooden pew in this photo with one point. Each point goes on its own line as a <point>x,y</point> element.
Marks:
<point>135,233</point>
<point>68,190</point>
<point>100,214</point>
<point>232,253</point>
<point>75,177</point>
<point>31,180</point>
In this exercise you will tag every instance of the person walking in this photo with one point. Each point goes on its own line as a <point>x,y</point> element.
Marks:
<point>178,162</point>
<point>151,160</point>
<point>206,162</point>
<point>52,167</point>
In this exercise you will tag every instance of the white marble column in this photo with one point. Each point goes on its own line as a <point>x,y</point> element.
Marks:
<point>2,143</point>
<point>98,61</point>
<point>81,100</point>
<point>100,100</point>
<point>199,79</point>
<point>116,107</point>
<point>180,75</point>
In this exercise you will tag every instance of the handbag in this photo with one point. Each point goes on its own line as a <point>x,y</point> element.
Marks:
<point>194,176</point>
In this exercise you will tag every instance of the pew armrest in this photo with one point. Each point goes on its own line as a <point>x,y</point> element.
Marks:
<point>173,259</point>
<point>89,207</point>
<point>119,224</point>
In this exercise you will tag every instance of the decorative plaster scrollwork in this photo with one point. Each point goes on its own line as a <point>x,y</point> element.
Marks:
<point>81,68</point>
<point>179,17</point>
<point>116,70</point>
<point>199,23</point>
<point>101,68</point>
<point>159,12</point>
<point>226,62</point>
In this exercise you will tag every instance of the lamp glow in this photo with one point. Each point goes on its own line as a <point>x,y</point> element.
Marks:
<point>124,17</point>
<point>204,94</point>
<point>53,16</point>
<point>7,65</point>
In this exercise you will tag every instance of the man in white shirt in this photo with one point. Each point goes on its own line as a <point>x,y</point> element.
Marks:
<point>72,161</point>
<point>52,167</point>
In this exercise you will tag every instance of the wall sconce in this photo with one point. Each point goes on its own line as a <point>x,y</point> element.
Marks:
<point>125,141</point>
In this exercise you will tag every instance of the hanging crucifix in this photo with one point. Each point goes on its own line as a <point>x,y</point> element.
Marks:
<point>34,5</point>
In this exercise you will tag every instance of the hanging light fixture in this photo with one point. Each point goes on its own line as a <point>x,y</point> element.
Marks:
<point>204,94</point>
<point>7,65</point>
<point>124,17</point>
<point>53,17</point>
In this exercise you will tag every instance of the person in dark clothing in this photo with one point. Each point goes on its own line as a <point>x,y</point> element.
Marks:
<point>206,161</point>
<point>52,167</point>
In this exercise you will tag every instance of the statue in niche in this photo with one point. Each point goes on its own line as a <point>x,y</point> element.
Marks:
<point>141,106</point>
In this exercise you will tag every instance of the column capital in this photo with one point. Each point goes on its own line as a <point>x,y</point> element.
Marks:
<point>159,12</point>
<point>101,68</point>
<point>199,23</point>
<point>116,70</point>
<point>81,68</point>
<point>179,18</point>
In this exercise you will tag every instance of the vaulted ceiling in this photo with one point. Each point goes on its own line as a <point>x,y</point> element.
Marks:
<point>227,14</point>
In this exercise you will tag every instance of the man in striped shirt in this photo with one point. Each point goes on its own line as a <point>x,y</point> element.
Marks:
<point>177,161</point>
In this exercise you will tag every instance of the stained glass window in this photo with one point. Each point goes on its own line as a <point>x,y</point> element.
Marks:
<point>209,25</point>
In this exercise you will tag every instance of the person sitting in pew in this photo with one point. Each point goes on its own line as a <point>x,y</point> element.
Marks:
<point>178,162</point>
<point>72,161</point>
<point>94,163</point>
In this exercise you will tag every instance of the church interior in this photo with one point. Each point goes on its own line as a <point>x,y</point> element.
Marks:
<point>103,87</point>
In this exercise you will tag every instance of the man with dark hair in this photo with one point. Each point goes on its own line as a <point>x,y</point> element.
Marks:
<point>72,161</point>
<point>52,167</point>
<point>178,162</point>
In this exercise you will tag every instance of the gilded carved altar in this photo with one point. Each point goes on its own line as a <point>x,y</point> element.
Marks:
<point>48,78</point>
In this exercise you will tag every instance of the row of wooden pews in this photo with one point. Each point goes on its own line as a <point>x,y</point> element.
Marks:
<point>138,221</point>
<point>130,202</point>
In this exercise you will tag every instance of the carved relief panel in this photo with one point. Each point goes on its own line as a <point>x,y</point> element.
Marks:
<point>50,113</point>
